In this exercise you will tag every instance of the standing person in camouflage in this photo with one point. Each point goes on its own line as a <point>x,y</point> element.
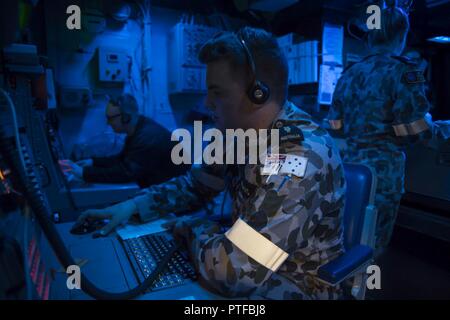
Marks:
<point>285,226</point>
<point>380,105</point>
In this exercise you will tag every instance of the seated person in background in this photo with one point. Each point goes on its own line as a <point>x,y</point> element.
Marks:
<point>145,157</point>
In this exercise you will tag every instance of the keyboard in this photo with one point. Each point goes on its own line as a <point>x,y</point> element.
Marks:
<point>144,254</point>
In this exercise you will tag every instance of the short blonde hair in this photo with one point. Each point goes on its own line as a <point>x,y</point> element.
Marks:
<point>394,26</point>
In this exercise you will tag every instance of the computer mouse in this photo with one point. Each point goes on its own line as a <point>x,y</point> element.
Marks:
<point>88,227</point>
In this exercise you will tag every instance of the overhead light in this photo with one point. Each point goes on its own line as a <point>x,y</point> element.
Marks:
<point>440,39</point>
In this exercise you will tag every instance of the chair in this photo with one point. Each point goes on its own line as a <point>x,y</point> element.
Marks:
<point>359,231</point>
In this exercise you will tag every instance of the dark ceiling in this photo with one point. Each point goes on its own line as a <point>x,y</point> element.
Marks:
<point>428,17</point>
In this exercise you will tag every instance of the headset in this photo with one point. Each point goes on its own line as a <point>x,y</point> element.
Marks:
<point>258,92</point>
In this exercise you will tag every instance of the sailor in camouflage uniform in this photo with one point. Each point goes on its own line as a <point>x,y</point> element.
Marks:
<point>380,105</point>
<point>380,112</point>
<point>300,215</point>
<point>285,225</point>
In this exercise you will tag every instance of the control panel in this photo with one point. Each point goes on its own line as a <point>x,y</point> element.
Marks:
<point>112,65</point>
<point>22,256</point>
<point>186,73</point>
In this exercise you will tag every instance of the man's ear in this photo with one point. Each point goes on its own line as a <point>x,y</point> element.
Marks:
<point>249,105</point>
<point>256,106</point>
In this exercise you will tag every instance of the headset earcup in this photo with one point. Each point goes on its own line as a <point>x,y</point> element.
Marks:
<point>259,93</point>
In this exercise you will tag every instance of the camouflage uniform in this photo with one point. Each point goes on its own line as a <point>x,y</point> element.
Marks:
<point>302,216</point>
<point>371,97</point>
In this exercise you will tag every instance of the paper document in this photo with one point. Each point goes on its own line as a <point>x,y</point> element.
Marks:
<point>329,76</point>
<point>136,230</point>
<point>332,44</point>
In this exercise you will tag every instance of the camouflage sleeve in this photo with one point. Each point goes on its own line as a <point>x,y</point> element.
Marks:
<point>286,210</point>
<point>184,193</point>
<point>410,107</point>
<point>336,112</point>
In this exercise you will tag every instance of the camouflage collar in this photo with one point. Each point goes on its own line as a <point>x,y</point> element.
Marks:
<point>290,114</point>
<point>288,121</point>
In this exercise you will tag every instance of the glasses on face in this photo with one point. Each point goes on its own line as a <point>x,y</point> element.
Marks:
<point>112,117</point>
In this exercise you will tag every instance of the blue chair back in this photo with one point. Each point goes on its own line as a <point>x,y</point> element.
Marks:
<point>361,184</point>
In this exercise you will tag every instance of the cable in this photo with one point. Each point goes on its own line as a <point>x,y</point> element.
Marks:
<point>16,129</point>
<point>222,206</point>
<point>22,161</point>
<point>28,183</point>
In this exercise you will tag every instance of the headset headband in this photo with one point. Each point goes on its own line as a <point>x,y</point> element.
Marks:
<point>250,60</point>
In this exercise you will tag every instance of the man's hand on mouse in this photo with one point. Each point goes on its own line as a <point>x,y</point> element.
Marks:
<point>68,166</point>
<point>116,214</point>
<point>85,163</point>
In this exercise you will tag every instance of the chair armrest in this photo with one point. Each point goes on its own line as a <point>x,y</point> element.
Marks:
<point>370,222</point>
<point>345,265</point>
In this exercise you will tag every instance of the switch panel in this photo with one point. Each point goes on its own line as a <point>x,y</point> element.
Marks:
<point>186,73</point>
<point>113,65</point>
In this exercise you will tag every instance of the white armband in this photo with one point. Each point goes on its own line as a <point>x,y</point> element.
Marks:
<point>256,246</point>
<point>336,124</point>
<point>411,128</point>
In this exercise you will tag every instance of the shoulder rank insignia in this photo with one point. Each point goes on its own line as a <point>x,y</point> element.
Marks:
<point>290,133</point>
<point>415,76</point>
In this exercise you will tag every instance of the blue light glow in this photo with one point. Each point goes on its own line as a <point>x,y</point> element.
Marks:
<point>440,39</point>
